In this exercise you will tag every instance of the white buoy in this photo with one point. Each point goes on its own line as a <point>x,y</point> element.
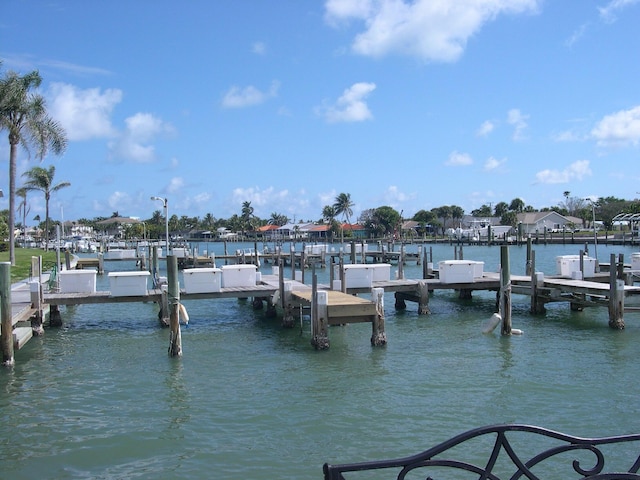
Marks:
<point>516,331</point>
<point>182,312</point>
<point>492,323</point>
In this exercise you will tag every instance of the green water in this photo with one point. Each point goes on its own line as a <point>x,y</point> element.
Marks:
<point>100,398</point>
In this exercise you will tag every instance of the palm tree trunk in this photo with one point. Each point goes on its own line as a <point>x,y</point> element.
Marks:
<point>46,221</point>
<point>13,153</point>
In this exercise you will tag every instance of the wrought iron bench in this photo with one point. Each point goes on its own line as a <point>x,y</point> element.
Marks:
<point>561,451</point>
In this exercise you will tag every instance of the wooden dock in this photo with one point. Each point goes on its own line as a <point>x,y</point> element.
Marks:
<point>614,289</point>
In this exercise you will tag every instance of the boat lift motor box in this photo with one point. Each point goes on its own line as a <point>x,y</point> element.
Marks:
<point>128,284</point>
<point>78,281</point>
<point>635,261</point>
<point>202,280</point>
<point>381,272</point>
<point>179,252</point>
<point>239,275</point>
<point>460,271</point>
<point>358,276</point>
<point>567,264</point>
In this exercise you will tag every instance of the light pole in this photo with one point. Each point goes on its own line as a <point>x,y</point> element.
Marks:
<point>595,235</point>
<point>166,218</point>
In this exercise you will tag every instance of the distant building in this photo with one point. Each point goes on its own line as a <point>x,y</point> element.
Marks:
<point>538,222</point>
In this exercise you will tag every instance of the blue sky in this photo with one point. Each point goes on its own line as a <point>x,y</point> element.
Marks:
<point>286,104</point>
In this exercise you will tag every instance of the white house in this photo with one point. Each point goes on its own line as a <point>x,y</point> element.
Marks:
<point>537,222</point>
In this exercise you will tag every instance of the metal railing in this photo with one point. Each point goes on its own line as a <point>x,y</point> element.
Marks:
<point>508,455</point>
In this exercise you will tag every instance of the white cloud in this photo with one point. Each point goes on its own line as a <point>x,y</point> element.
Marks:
<point>269,200</point>
<point>519,121</point>
<point>351,106</point>
<point>608,12</point>
<point>457,159</point>
<point>567,136</point>
<point>249,96</point>
<point>175,185</point>
<point>202,198</point>
<point>434,30</point>
<point>134,142</point>
<point>493,163</point>
<point>485,129</point>
<point>577,35</point>
<point>618,129</point>
<point>576,171</point>
<point>392,196</point>
<point>259,48</point>
<point>119,201</point>
<point>84,114</point>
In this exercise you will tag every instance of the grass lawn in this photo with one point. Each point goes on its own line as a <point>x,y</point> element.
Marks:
<point>22,268</point>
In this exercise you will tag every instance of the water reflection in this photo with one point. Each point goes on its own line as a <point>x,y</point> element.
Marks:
<point>177,400</point>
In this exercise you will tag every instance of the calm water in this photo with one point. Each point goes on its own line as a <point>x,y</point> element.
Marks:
<point>99,398</point>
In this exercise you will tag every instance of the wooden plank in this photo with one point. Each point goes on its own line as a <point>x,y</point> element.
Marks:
<point>21,313</point>
<point>154,295</point>
<point>21,335</point>
<point>342,308</point>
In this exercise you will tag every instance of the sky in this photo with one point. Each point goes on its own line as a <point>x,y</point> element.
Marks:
<point>288,103</point>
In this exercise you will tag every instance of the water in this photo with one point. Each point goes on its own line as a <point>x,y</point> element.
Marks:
<point>100,398</point>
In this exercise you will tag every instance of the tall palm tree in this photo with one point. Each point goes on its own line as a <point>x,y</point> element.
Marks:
<point>41,179</point>
<point>23,114</point>
<point>342,206</point>
<point>247,216</point>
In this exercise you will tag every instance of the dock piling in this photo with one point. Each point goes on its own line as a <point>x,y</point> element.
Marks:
<point>616,296</point>
<point>423,305</point>
<point>6,337</point>
<point>319,316</point>
<point>175,339</point>
<point>505,290</point>
<point>378,335</point>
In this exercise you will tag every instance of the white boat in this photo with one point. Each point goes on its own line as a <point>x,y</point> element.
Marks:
<point>479,230</point>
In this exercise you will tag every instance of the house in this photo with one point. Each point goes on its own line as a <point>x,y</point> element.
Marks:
<point>539,222</point>
<point>267,232</point>
<point>226,234</point>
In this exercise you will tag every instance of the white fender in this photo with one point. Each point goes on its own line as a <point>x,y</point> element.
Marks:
<point>492,323</point>
<point>516,331</point>
<point>275,297</point>
<point>182,312</point>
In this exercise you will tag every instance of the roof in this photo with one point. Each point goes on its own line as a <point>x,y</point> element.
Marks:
<point>267,228</point>
<point>627,217</point>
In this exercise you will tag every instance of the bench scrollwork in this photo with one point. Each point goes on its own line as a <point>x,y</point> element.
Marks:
<point>505,454</point>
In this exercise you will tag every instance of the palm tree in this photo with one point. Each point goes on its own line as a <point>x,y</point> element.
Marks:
<point>247,216</point>
<point>342,205</point>
<point>23,114</point>
<point>41,179</point>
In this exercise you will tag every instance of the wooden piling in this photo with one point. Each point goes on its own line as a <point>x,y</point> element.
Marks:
<point>423,303</point>
<point>55,318</point>
<point>319,316</point>
<point>6,337</point>
<point>616,297</point>
<point>35,295</point>
<point>378,335</point>
<point>175,338</point>
<point>67,259</point>
<point>537,305</point>
<point>35,291</point>
<point>505,290</point>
